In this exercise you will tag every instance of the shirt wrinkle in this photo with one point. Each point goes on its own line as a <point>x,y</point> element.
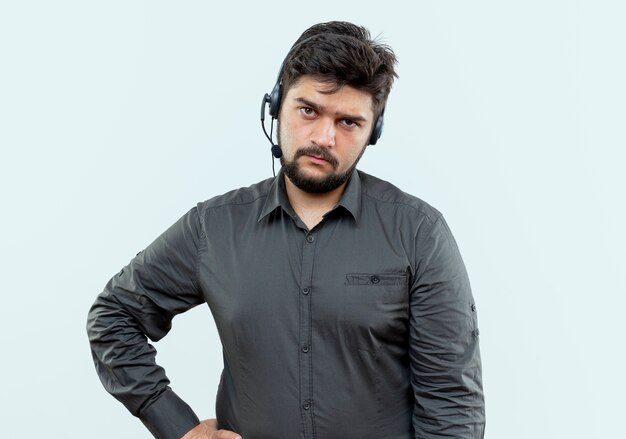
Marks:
<point>312,323</point>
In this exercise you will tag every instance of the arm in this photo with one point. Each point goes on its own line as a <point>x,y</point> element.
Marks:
<point>139,303</point>
<point>445,359</point>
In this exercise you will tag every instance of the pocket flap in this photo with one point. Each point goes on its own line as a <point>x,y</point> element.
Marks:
<point>375,279</point>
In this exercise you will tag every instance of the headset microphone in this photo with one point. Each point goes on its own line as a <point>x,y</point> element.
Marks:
<point>277,151</point>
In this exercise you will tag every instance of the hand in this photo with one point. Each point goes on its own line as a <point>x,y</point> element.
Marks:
<point>207,429</point>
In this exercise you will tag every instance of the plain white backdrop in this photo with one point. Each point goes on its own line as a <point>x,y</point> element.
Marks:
<point>509,117</point>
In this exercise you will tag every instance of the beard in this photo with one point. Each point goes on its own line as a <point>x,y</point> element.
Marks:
<point>316,185</point>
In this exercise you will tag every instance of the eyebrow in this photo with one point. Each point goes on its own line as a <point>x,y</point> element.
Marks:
<point>320,108</point>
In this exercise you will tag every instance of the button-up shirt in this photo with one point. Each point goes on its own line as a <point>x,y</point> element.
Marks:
<point>362,327</point>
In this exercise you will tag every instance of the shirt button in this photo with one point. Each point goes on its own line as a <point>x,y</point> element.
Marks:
<point>305,349</point>
<point>473,308</point>
<point>310,238</point>
<point>306,405</point>
<point>305,291</point>
<point>374,279</point>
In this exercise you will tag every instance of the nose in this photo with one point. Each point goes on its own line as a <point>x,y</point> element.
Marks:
<point>323,133</point>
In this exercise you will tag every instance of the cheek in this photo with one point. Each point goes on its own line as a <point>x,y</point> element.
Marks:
<point>353,156</point>
<point>283,136</point>
<point>290,137</point>
<point>352,145</point>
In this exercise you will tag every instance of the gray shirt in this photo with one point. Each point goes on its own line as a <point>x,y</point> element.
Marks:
<point>363,327</point>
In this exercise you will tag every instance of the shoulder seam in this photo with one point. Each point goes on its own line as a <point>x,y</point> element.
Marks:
<point>231,203</point>
<point>437,214</point>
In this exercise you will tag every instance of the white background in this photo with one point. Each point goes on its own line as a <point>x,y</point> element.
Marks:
<point>117,117</point>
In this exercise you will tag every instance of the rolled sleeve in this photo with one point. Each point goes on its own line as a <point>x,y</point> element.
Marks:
<point>444,349</point>
<point>139,303</point>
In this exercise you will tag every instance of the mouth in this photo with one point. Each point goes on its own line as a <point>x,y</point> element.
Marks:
<point>317,156</point>
<point>316,159</point>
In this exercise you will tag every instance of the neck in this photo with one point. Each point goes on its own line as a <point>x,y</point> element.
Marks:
<point>312,207</point>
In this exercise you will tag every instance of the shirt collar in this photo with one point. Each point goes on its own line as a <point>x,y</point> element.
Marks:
<point>351,198</point>
<point>277,197</point>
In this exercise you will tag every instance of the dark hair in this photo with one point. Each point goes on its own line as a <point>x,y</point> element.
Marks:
<point>342,53</point>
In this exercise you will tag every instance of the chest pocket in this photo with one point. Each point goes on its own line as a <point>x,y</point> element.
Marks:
<point>375,310</point>
<point>375,287</point>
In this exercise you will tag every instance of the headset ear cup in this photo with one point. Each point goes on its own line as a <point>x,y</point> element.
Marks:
<point>378,129</point>
<point>275,97</point>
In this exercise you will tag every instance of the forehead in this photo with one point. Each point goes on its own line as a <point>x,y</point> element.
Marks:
<point>328,94</point>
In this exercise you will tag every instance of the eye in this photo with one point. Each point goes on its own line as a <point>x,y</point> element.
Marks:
<point>349,123</point>
<point>307,111</point>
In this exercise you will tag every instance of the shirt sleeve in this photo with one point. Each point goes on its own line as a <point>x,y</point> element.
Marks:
<point>445,360</point>
<point>139,303</point>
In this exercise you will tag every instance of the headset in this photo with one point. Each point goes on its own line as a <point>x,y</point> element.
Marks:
<point>274,98</point>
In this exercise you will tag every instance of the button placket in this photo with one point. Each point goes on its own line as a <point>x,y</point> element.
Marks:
<point>305,356</point>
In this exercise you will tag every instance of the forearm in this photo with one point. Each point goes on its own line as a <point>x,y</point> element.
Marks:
<point>125,363</point>
<point>450,403</point>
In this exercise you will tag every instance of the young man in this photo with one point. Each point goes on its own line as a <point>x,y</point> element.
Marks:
<point>342,304</point>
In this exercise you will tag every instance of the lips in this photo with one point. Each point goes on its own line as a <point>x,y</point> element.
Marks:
<point>317,155</point>
<point>317,161</point>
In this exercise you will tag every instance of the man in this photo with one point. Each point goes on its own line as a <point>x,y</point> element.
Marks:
<point>342,304</point>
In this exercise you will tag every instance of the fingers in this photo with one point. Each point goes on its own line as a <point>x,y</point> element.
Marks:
<point>198,432</point>
<point>211,425</point>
